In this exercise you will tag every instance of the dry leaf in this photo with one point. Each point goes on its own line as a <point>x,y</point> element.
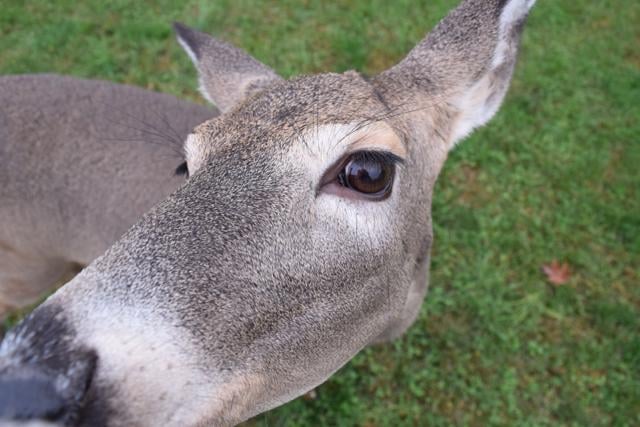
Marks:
<point>557,274</point>
<point>310,395</point>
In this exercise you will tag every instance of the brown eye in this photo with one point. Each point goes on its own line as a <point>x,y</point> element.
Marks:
<point>370,173</point>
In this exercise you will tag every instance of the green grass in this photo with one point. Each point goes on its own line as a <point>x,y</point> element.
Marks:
<point>556,175</point>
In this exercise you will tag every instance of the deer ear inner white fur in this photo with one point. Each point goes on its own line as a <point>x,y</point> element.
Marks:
<point>480,102</point>
<point>463,63</point>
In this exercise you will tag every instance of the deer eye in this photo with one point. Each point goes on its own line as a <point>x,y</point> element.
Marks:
<point>182,170</point>
<point>364,174</point>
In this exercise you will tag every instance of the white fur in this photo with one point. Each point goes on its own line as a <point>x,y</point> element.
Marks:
<point>194,152</point>
<point>187,49</point>
<point>203,90</point>
<point>326,144</point>
<point>319,148</point>
<point>369,221</point>
<point>513,12</point>
<point>140,350</point>
<point>475,110</point>
<point>201,86</point>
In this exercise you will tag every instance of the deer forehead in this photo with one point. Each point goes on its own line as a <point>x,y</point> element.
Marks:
<point>276,117</point>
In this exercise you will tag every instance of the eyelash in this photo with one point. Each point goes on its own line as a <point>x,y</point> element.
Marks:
<point>385,157</point>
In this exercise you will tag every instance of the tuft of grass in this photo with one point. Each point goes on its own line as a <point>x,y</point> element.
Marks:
<point>554,176</point>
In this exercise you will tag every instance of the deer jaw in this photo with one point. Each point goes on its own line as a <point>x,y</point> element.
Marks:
<point>263,275</point>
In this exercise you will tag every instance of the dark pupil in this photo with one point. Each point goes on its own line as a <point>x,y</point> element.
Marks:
<point>367,176</point>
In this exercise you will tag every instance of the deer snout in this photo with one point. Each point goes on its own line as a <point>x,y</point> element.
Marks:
<point>30,394</point>
<point>44,377</point>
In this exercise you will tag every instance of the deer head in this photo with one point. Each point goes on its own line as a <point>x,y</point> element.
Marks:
<point>302,236</point>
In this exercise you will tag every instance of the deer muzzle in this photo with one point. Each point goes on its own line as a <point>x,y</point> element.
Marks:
<point>43,377</point>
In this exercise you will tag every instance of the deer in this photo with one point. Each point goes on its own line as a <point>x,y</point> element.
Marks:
<point>81,161</point>
<point>301,236</point>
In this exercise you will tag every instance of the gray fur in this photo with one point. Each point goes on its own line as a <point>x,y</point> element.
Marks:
<point>227,74</point>
<point>80,161</point>
<point>249,285</point>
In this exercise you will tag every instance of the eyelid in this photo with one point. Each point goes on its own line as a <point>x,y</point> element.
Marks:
<point>378,136</point>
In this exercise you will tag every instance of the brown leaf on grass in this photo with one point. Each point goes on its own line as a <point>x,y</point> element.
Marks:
<point>557,274</point>
<point>310,395</point>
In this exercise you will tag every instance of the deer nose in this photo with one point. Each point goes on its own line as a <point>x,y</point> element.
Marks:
<point>30,396</point>
<point>31,393</point>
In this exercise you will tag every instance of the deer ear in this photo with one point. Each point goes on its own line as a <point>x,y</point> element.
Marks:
<point>466,62</point>
<point>227,74</point>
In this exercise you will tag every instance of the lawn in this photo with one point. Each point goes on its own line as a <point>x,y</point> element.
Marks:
<point>556,175</point>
